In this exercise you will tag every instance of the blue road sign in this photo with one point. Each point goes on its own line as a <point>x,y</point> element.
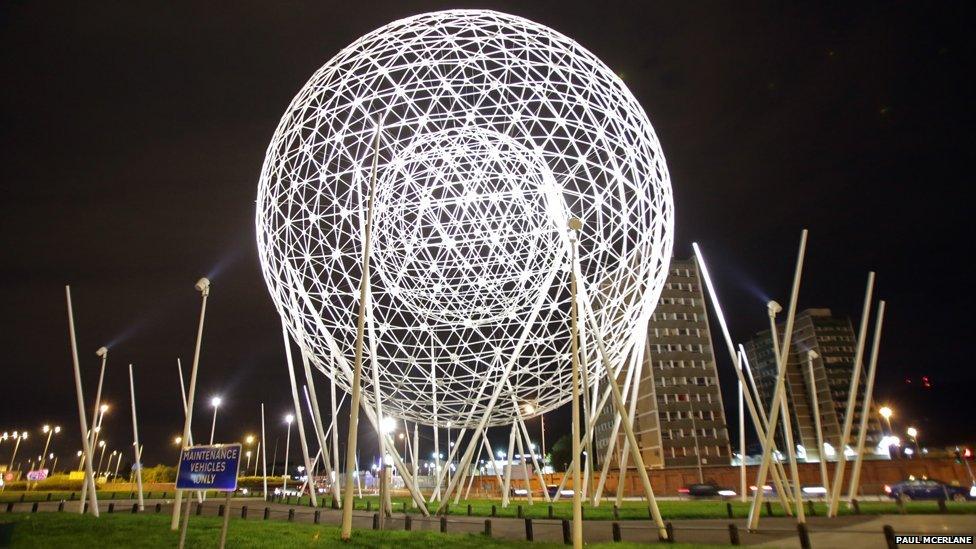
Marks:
<point>209,467</point>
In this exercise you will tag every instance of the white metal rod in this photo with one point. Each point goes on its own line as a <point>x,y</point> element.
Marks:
<point>298,411</point>
<point>356,385</point>
<point>752,403</point>
<point>135,436</point>
<point>264,456</point>
<point>866,406</point>
<point>845,436</point>
<point>93,432</point>
<point>93,499</point>
<point>787,420</point>
<point>317,424</point>
<point>778,391</point>
<point>815,399</point>
<point>205,292</point>
<point>506,487</point>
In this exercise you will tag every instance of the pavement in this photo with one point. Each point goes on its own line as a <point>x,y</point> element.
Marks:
<point>862,532</point>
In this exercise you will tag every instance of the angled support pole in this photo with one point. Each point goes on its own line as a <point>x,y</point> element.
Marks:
<point>866,406</point>
<point>845,436</point>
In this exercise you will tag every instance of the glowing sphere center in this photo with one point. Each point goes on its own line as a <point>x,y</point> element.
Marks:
<point>456,211</point>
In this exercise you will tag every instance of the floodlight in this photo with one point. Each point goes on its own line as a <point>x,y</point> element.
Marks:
<point>203,285</point>
<point>813,355</point>
<point>102,352</point>
<point>774,308</point>
<point>289,418</point>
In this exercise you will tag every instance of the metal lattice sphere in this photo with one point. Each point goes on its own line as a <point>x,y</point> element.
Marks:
<point>494,132</point>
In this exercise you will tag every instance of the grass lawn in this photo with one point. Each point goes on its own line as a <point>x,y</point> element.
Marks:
<point>670,509</point>
<point>72,530</point>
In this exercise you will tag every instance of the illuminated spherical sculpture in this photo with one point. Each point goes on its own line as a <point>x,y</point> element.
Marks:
<point>495,131</point>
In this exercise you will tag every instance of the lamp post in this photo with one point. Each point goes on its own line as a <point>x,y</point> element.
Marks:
<point>284,485</point>
<point>108,466</point>
<point>54,465</point>
<point>118,461</point>
<point>249,440</point>
<point>101,444</point>
<point>47,429</point>
<point>202,286</point>
<point>215,402</point>
<point>81,458</point>
<point>18,438</point>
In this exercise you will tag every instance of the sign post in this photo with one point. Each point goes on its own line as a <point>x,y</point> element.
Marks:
<point>209,467</point>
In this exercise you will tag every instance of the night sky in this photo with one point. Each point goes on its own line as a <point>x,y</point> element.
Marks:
<point>133,136</point>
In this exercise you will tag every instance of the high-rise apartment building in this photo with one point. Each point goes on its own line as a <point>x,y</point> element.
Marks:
<point>679,417</point>
<point>833,341</point>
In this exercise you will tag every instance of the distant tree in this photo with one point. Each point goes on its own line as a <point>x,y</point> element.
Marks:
<point>562,453</point>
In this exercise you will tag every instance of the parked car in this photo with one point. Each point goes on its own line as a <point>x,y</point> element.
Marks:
<point>706,490</point>
<point>929,489</point>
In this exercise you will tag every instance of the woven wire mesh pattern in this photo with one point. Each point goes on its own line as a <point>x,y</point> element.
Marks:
<point>494,131</point>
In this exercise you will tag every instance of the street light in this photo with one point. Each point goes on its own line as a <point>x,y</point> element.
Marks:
<point>215,402</point>
<point>886,413</point>
<point>388,425</point>
<point>913,433</point>
<point>22,436</point>
<point>47,429</point>
<point>101,444</point>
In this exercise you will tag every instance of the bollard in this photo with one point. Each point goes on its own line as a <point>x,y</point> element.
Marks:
<point>135,508</point>
<point>616,531</point>
<point>244,512</point>
<point>529,534</point>
<point>335,502</point>
<point>728,510</point>
<point>469,509</point>
<point>407,523</point>
<point>494,511</point>
<point>889,534</point>
<point>942,505</point>
<point>488,527</point>
<point>804,534</point>
<point>857,506</point>
<point>376,521</point>
<point>291,515</point>
<point>769,508</point>
<point>159,507</point>
<point>518,511</point>
<point>616,512</point>
<point>369,505</point>
<point>567,536</point>
<point>72,497</point>
<point>86,507</point>
<point>811,509</point>
<point>61,506</point>
<point>267,513</point>
<point>317,516</point>
<point>670,530</point>
<point>34,508</point>
<point>111,508</point>
<point>550,511</point>
<point>733,534</point>
<point>220,510</point>
<point>10,507</point>
<point>443,524</point>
